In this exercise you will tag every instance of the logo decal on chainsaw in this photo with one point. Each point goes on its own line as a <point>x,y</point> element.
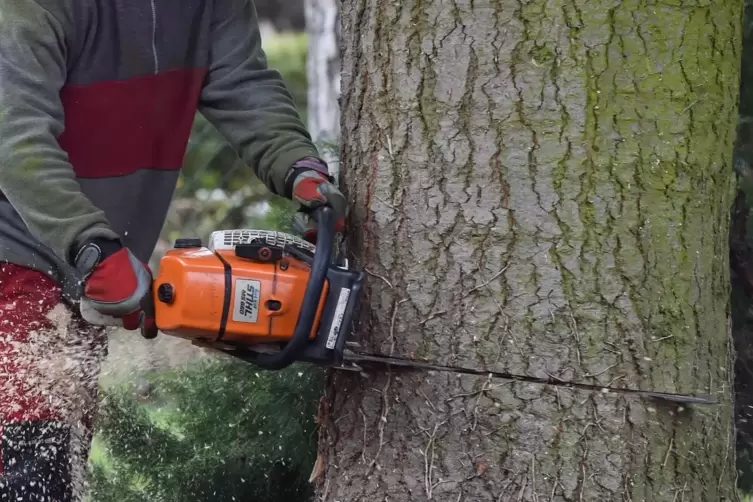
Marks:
<point>246,302</point>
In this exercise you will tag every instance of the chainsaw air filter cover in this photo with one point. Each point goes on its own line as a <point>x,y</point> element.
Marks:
<point>244,288</point>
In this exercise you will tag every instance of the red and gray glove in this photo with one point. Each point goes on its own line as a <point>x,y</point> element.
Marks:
<point>117,284</point>
<point>308,182</point>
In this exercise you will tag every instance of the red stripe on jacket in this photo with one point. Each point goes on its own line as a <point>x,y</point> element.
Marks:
<point>116,128</point>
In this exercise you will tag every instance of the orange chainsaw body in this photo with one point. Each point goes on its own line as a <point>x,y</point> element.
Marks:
<point>214,296</point>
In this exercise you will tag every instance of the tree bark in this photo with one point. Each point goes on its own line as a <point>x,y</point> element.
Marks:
<point>323,70</point>
<point>541,188</point>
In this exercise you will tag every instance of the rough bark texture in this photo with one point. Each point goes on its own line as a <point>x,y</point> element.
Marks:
<point>323,69</point>
<point>543,188</point>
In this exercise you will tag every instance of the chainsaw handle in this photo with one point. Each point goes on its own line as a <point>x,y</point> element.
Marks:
<point>314,289</point>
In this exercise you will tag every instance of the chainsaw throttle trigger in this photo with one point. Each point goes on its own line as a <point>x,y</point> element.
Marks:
<point>294,349</point>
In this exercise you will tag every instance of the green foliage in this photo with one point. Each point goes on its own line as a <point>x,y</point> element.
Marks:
<point>287,53</point>
<point>221,431</point>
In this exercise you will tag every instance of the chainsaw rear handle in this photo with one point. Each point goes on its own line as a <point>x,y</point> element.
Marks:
<point>292,351</point>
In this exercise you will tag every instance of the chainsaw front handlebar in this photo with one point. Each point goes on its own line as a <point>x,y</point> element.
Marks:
<point>325,219</point>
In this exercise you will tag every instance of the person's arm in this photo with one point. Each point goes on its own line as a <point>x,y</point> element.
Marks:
<point>35,174</point>
<point>248,102</point>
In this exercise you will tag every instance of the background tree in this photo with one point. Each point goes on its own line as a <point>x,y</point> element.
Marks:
<point>323,72</point>
<point>541,188</point>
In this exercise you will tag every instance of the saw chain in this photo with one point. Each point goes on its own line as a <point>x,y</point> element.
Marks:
<point>358,361</point>
<point>353,359</point>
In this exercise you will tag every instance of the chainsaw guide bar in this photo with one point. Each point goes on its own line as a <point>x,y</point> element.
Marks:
<point>361,362</point>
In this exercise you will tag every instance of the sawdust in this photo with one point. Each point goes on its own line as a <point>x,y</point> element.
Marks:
<point>57,368</point>
<point>130,356</point>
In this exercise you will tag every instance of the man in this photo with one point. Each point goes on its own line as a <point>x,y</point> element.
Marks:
<point>96,105</point>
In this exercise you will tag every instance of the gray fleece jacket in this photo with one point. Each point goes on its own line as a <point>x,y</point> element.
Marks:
<point>97,98</point>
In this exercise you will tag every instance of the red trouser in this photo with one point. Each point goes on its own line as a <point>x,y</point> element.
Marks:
<point>49,370</point>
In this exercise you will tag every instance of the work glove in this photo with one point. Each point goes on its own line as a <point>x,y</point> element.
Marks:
<point>309,183</point>
<point>116,285</point>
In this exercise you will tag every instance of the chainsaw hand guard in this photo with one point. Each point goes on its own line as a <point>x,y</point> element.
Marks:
<point>294,349</point>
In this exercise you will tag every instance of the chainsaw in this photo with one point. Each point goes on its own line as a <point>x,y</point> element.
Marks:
<point>274,299</point>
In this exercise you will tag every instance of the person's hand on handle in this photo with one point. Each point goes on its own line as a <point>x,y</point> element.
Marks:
<point>117,284</point>
<point>310,184</point>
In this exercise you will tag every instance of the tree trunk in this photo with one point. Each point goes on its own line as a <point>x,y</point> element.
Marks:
<point>541,188</point>
<point>323,70</point>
